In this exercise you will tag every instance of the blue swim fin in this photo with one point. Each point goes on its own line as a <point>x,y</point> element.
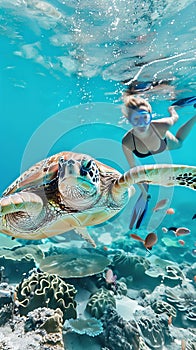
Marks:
<point>139,210</point>
<point>184,102</point>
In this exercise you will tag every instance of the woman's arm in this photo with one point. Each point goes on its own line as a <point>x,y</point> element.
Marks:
<point>169,121</point>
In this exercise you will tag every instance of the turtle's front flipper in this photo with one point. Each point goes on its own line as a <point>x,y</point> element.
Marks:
<point>158,174</point>
<point>21,201</point>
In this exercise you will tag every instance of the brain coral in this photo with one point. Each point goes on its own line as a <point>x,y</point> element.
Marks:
<point>46,290</point>
<point>127,264</point>
<point>99,301</point>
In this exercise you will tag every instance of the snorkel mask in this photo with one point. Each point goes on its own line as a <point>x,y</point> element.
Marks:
<point>140,118</point>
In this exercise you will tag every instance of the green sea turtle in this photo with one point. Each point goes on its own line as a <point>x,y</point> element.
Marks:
<point>72,191</point>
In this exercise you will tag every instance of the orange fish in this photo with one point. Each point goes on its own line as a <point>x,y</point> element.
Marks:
<point>160,205</point>
<point>182,231</point>
<point>181,242</point>
<point>170,211</point>
<point>194,278</point>
<point>148,242</point>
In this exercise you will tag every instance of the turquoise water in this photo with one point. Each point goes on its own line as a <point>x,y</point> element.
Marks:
<point>62,63</point>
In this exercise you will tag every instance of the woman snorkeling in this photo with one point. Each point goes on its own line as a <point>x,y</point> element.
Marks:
<point>148,137</point>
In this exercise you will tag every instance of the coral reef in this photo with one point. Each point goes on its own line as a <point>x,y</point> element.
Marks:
<point>46,290</point>
<point>152,332</point>
<point>40,330</point>
<point>6,293</point>
<point>126,264</point>
<point>74,263</point>
<point>51,321</point>
<point>119,334</point>
<point>161,306</point>
<point>90,326</point>
<point>166,269</point>
<point>18,260</point>
<point>44,318</point>
<point>183,297</point>
<point>19,252</point>
<point>99,301</point>
<point>6,314</point>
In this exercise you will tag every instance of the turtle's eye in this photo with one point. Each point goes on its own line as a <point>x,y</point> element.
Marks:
<point>87,164</point>
<point>85,168</point>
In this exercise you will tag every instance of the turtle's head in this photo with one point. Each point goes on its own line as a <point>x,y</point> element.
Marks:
<point>78,180</point>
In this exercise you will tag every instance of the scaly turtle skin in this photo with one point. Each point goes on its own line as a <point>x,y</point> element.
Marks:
<point>72,191</point>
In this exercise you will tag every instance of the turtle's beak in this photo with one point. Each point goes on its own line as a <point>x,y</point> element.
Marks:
<point>68,169</point>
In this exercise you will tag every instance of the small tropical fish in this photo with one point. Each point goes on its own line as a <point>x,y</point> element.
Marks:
<point>172,228</point>
<point>160,205</point>
<point>164,229</point>
<point>148,242</point>
<point>181,231</point>
<point>170,211</point>
<point>194,217</point>
<point>110,277</point>
<point>194,278</point>
<point>181,241</point>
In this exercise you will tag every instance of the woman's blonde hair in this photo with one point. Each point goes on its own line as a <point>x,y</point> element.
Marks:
<point>136,102</point>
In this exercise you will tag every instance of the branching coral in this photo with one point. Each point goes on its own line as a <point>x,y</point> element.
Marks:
<point>46,290</point>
